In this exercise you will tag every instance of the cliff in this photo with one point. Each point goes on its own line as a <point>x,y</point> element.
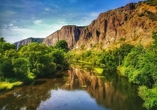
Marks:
<point>28,41</point>
<point>133,23</point>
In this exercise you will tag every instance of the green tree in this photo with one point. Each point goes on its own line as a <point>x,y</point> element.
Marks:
<point>39,58</point>
<point>62,44</point>
<point>2,40</point>
<point>7,68</point>
<point>57,56</point>
<point>5,46</point>
<point>21,68</point>
<point>149,96</point>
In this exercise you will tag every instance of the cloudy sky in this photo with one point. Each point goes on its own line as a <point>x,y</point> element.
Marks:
<point>20,19</point>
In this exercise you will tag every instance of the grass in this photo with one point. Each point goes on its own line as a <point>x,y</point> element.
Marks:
<point>8,85</point>
<point>99,70</point>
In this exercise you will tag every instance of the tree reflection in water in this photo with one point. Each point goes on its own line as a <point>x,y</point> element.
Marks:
<point>112,92</point>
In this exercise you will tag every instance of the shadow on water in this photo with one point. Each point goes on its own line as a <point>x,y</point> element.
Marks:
<point>81,89</point>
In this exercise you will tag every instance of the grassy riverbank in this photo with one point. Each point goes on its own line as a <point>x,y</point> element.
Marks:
<point>7,85</point>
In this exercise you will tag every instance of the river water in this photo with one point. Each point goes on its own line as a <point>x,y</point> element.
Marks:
<point>79,90</point>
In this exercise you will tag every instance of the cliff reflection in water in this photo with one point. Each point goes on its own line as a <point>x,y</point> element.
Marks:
<point>111,91</point>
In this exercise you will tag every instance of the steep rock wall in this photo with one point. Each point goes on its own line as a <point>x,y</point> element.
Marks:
<point>133,23</point>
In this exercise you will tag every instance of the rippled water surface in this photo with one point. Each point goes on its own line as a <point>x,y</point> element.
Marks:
<point>80,90</point>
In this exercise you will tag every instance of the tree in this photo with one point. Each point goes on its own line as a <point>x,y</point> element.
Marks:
<point>57,56</point>
<point>21,68</point>
<point>7,68</point>
<point>5,46</point>
<point>39,59</point>
<point>62,44</point>
<point>2,40</point>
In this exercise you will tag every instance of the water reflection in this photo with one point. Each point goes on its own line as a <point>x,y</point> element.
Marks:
<point>111,91</point>
<point>80,90</point>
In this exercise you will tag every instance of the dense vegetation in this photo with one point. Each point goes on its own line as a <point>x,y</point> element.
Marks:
<point>29,62</point>
<point>138,64</point>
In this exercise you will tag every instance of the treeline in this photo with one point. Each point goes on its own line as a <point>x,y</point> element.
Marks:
<point>138,64</point>
<point>32,61</point>
<point>140,67</point>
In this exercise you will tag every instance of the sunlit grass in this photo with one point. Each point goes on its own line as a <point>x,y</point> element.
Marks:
<point>8,85</point>
<point>99,70</point>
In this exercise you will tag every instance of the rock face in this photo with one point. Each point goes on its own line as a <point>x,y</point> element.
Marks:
<point>28,41</point>
<point>69,33</point>
<point>133,23</point>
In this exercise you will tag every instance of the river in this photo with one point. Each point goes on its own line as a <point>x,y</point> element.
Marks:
<point>79,90</point>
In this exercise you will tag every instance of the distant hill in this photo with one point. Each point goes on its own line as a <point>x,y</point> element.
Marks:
<point>28,41</point>
<point>133,23</point>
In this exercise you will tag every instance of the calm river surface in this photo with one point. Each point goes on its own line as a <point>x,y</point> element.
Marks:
<point>80,90</point>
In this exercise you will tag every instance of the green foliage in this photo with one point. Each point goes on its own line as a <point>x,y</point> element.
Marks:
<point>149,96</point>
<point>155,38</point>
<point>108,60</point>
<point>7,85</point>
<point>140,68</point>
<point>38,57</point>
<point>87,54</point>
<point>29,62</point>
<point>7,68</point>
<point>5,46</point>
<point>62,44</point>
<point>21,68</point>
<point>57,56</point>
<point>2,40</point>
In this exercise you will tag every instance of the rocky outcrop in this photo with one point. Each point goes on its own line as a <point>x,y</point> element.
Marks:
<point>69,33</point>
<point>133,23</point>
<point>28,41</point>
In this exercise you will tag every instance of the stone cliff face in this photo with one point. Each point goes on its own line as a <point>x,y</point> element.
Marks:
<point>28,41</point>
<point>69,33</point>
<point>133,23</point>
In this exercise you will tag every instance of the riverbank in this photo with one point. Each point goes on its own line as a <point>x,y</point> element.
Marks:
<point>9,85</point>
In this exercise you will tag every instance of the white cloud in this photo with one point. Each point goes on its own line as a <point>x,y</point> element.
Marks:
<point>11,25</point>
<point>37,21</point>
<point>18,30</point>
<point>94,14</point>
<point>15,33</point>
<point>47,9</point>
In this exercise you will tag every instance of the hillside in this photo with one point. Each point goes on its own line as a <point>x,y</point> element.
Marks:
<point>28,41</point>
<point>133,23</point>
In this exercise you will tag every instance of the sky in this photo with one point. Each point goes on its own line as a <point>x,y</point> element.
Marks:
<point>21,19</point>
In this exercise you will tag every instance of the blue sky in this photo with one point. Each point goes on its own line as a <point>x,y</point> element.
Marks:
<point>20,19</point>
